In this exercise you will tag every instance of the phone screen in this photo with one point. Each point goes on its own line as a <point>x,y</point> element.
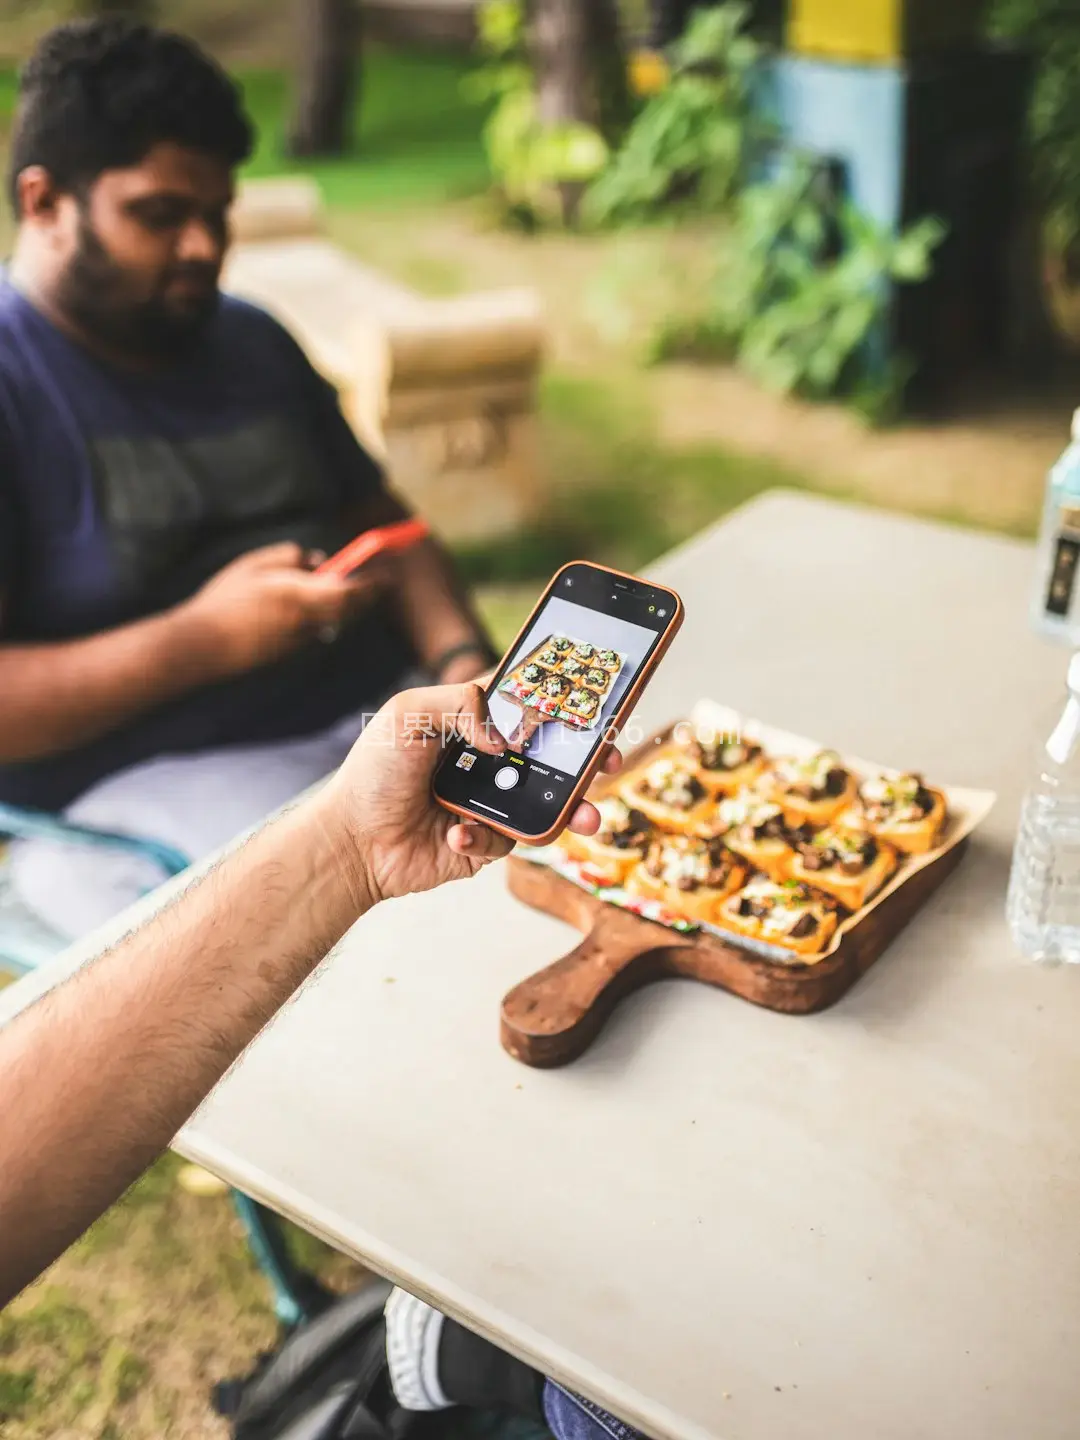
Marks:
<point>554,697</point>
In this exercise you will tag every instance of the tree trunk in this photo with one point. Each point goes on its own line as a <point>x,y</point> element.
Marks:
<point>579,70</point>
<point>559,43</point>
<point>327,59</point>
<point>609,66</point>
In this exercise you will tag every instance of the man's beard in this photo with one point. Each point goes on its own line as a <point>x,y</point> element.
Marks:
<point>96,293</point>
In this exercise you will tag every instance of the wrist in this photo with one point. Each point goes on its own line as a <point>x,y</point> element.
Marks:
<point>193,645</point>
<point>461,662</point>
<point>343,855</point>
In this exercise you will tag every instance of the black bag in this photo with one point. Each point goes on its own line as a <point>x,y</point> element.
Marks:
<point>330,1380</point>
<point>321,1383</point>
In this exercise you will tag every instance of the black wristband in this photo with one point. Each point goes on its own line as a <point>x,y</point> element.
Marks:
<point>467,647</point>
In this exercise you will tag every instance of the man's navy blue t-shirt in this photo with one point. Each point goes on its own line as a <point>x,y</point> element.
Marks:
<point>122,493</point>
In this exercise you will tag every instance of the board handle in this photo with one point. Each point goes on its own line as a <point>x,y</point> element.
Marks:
<point>551,1018</point>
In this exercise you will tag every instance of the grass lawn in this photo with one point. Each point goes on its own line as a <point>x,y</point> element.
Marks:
<point>417,139</point>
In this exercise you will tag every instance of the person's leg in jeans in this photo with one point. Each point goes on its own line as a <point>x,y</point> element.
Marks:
<point>436,1364</point>
<point>570,1417</point>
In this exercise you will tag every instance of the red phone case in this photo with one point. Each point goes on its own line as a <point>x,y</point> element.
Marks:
<point>390,539</point>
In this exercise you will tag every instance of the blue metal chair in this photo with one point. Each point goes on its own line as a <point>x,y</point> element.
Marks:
<point>26,942</point>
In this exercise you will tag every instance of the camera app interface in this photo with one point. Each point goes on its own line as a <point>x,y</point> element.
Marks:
<point>554,699</point>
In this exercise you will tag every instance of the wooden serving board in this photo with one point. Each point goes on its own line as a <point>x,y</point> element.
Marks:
<point>553,1017</point>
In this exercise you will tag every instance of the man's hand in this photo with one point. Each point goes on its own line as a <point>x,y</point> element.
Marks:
<point>397,839</point>
<point>268,602</point>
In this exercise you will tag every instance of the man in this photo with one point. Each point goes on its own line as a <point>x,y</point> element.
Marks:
<point>110,1064</point>
<point>170,467</point>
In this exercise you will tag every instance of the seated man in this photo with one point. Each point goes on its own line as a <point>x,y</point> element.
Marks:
<point>170,466</point>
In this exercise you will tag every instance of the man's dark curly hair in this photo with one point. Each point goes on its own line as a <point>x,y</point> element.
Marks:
<point>99,94</point>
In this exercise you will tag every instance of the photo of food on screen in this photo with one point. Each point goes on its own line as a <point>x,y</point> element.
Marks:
<point>565,681</point>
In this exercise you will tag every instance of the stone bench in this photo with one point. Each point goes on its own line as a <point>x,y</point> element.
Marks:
<point>442,391</point>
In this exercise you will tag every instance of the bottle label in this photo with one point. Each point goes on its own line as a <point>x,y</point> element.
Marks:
<point>1063,576</point>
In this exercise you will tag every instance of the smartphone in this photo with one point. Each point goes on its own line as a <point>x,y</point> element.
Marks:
<point>566,685</point>
<point>388,540</point>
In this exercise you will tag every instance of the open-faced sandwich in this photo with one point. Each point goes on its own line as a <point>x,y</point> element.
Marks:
<point>811,790</point>
<point>609,659</point>
<point>561,644</point>
<point>901,811</point>
<point>723,763</point>
<point>573,670</point>
<point>582,704</point>
<point>597,679</point>
<point>617,847</point>
<point>584,651</point>
<point>786,913</point>
<point>754,827</point>
<point>529,677</point>
<point>550,695</point>
<point>850,865</point>
<point>691,877</point>
<point>549,657</point>
<point>669,794</point>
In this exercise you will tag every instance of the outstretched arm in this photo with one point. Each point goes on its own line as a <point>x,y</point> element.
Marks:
<point>103,1072</point>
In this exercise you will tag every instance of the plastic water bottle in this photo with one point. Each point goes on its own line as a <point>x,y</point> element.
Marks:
<point>1056,601</point>
<point>1043,905</point>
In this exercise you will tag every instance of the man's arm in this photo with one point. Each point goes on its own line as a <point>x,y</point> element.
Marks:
<point>100,1074</point>
<point>103,1072</point>
<point>62,695</point>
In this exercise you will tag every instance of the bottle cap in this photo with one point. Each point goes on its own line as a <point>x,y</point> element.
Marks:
<point>1074,675</point>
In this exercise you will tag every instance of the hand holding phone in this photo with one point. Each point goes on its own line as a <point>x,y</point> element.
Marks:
<point>558,698</point>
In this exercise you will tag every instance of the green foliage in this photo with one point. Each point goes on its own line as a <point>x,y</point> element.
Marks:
<point>1050,29</point>
<point>531,161</point>
<point>691,143</point>
<point>16,1392</point>
<point>803,283</point>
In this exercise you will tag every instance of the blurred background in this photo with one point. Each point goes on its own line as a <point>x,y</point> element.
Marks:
<point>588,275</point>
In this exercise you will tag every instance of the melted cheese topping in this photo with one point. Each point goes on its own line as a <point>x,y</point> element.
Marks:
<point>899,795</point>
<point>813,770</point>
<point>670,784</point>
<point>785,910</point>
<point>844,842</point>
<point>681,863</point>
<point>614,814</point>
<point>747,810</point>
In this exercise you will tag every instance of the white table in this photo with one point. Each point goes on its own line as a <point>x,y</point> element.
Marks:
<point>723,1222</point>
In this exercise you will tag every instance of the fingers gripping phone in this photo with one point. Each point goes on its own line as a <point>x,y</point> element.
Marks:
<point>558,698</point>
